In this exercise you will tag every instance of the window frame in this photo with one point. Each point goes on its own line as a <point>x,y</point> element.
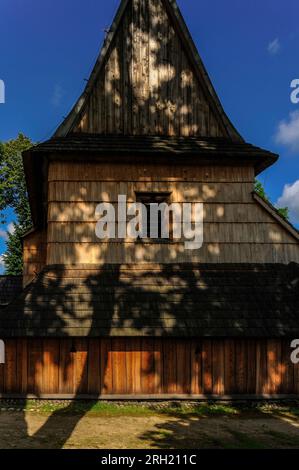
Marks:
<point>155,197</point>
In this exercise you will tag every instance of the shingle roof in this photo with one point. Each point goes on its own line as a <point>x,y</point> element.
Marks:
<point>10,287</point>
<point>174,300</point>
<point>133,145</point>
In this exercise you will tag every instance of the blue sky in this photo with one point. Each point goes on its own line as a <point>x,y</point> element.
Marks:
<point>48,48</point>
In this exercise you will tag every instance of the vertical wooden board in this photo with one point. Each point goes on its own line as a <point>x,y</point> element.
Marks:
<point>195,366</point>
<point>66,367</point>
<point>129,365</point>
<point>144,69</point>
<point>31,368</point>
<point>158,358</point>
<point>176,96</point>
<point>50,370</point>
<point>55,360</point>
<point>270,367</point>
<point>261,372</point>
<point>35,366</point>
<point>170,366</point>
<point>163,71</point>
<point>207,366</point>
<point>218,366</point>
<point>106,366</point>
<point>10,371</point>
<point>134,366</point>
<point>153,71</point>
<point>281,366</point>
<point>94,367</point>
<point>136,78</point>
<point>258,384</point>
<point>273,363</point>
<point>288,368</point>
<point>241,366</point>
<point>119,86</point>
<point>22,365</point>
<point>229,366</point>
<point>183,366</point>
<point>125,74</point>
<point>251,366</point>
<point>119,366</point>
<point>18,365</point>
<point>81,366</point>
<point>147,366</point>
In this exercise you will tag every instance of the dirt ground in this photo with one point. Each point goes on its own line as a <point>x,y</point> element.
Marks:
<point>51,430</point>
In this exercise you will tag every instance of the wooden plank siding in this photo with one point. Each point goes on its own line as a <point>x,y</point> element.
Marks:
<point>148,366</point>
<point>236,228</point>
<point>147,84</point>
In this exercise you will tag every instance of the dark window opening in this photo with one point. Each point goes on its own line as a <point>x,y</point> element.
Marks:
<point>147,199</point>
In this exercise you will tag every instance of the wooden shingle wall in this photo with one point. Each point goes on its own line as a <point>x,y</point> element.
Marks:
<point>236,228</point>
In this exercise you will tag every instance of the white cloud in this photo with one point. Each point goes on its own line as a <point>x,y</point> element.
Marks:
<point>11,228</point>
<point>3,234</point>
<point>274,46</point>
<point>290,199</point>
<point>57,96</point>
<point>288,132</point>
<point>2,265</point>
<point>1,262</point>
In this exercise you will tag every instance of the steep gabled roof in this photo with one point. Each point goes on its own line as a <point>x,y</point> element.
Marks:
<point>149,79</point>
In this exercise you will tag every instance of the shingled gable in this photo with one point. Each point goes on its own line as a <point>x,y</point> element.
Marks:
<point>149,79</point>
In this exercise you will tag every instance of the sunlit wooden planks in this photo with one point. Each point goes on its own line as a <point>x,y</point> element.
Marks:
<point>148,85</point>
<point>148,366</point>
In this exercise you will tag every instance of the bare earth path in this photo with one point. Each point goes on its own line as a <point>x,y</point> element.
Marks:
<point>36,429</point>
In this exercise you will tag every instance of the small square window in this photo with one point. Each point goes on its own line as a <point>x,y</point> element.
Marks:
<point>149,198</point>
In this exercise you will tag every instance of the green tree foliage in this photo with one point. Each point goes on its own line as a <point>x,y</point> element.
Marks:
<point>260,190</point>
<point>13,194</point>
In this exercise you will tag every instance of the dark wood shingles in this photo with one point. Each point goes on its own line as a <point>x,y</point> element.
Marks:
<point>225,301</point>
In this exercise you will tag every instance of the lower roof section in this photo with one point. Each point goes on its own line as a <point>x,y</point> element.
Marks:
<point>171,300</point>
<point>10,287</point>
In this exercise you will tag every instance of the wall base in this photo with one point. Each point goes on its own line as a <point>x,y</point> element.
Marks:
<point>143,398</point>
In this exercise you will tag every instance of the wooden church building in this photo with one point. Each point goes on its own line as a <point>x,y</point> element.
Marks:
<point>146,318</point>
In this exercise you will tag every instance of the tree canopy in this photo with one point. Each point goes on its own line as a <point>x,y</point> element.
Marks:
<point>13,194</point>
<point>260,190</point>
